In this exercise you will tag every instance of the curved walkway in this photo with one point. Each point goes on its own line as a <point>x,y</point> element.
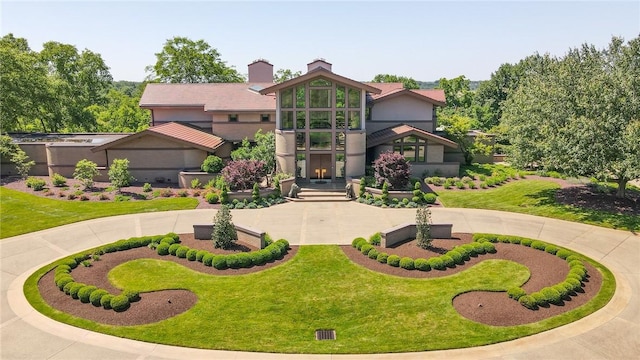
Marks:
<point>611,333</point>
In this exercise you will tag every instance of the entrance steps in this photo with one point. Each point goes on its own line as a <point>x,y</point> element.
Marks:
<point>329,192</point>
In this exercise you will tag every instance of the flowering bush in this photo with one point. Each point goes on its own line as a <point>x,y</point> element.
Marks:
<point>242,174</point>
<point>392,168</point>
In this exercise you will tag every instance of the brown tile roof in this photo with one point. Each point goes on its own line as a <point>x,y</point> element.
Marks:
<point>435,96</point>
<point>321,72</point>
<point>175,132</point>
<point>399,131</point>
<point>212,97</point>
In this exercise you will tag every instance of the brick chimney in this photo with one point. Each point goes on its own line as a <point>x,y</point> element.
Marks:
<point>260,71</point>
<point>318,63</point>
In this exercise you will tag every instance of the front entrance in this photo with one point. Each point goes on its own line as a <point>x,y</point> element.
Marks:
<point>320,167</point>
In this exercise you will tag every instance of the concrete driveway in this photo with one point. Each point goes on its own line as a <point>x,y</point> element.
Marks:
<point>611,333</point>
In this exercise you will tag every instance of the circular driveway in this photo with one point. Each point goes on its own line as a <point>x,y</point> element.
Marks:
<point>613,332</point>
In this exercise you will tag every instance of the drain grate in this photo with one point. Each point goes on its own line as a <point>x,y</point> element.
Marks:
<point>325,334</point>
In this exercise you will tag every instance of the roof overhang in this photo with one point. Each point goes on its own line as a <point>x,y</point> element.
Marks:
<point>407,92</point>
<point>319,72</point>
<point>390,134</point>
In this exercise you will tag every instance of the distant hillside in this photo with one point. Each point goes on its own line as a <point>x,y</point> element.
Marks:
<point>473,84</point>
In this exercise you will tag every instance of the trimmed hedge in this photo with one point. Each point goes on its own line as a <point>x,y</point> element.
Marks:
<point>407,263</point>
<point>393,260</point>
<point>173,248</point>
<point>181,251</point>
<point>163,249</point>
<point>207,259</point>
<point>516,293</point>
<point>382,257</point>
<point>96,296</point>
<point>75,288</point>
<point>191,254</point>
<point>373,254</point>
<point>200,254</point>
<point>85,292</point>
<point>422,264</point>
<point>364,249</point>
<point>120,303</point>
<point>105,301</point>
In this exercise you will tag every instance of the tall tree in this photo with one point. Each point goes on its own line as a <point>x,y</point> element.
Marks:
<point>580,114</point>
<point>121,113</point>
<point>183,60</point>
<point>283,75</point>
<point>408,82</point>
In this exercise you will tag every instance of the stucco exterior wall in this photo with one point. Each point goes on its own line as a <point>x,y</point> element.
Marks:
<point>401,109</point>
<point>435,153</point>
<point>35,152</point>
<point>356,146</point>
<point>194,116</point>
<point>63,157</point>
<point>285,151</point>
<point>232,131</point>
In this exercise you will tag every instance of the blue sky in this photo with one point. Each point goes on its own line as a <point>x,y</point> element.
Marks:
<point>425,40</point>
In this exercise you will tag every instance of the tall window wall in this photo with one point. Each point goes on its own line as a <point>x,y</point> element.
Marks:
<point>321,112</point>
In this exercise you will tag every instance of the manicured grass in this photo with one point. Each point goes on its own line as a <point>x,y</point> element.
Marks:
<point>535,197</point>
<point>279,309</point>
<point>22,213</point>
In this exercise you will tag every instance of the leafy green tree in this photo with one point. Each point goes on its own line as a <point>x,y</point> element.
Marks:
<point>11,151</point>
<point>224,232</point>
<point>423,227</point>
<point>264,149</point>
<point>183,60</point>
<point>580,114</point>
<point>457,128</point>
<point>119,175</point>
<point>408,82</point>
<point>85,172</point>
<point>283,75</point>
<point>120,113</point>
<point>457,92</point>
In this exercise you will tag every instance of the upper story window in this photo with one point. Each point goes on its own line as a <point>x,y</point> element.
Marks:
<point>340,96</point>
<point>320,98</point>
<point>233,117</point>
<point>264,117</point>
<point>319,83</point>
<point>300,96</point>
<point>286,98</point>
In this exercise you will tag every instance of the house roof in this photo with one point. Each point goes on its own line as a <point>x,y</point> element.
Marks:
<point>212,97</point>
<point>399,131</point>
<point>174,132</point>
<point>320,72</point>
<point>390,90</point>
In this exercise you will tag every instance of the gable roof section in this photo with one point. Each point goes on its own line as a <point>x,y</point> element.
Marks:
<point>320,72</point>
<point>399,131</point>
<point>212,97</point>
<point>174,132</point>
<point>391,90</point>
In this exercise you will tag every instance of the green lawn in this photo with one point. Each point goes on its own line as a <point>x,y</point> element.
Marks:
<point>22,213</point>
<point>279,309</point>
<point>534,197</point>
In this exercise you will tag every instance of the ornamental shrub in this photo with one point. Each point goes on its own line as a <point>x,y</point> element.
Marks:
<point>257,257</point>
<point>515,240</point>
<point>359,242</point>
<point>244,260</point>
<point>540,298</point>
<point>375,239</point>
<point>212,164</point>
<point>173,248</point>
<point>132,295</point>
<point>422,264</point>
<point>62,282</point>
<point>407,263</point>
<point>576,263</point>
<point>526,242</point>
<point>489,248</point>
<point>575,283</point>
<point>516,293</point>
<point>456,256</point>
<point>436,263</point>
<point>385,193</point>
<point>364,249</point>
<point>423,227</point>
<point>429,198</point>
<point>120,303</point>
<point>163,248</point>
<point>211,197</point>
<point>465,252</point>
<point>67,287</point>
<point>58,180</point>
<point>96,296</point>
<point>538,245</point>
<point>504,239</point>
<point>478,248</point>
<point>362,187</point>
<point>119,175</point>
<point>448,261</point>
<point>255,193</point>
<point>207,259</point>
<point>224,232</point>
<point>75,288</point>
<point>382,257</point>
<point>105,301</point>
<point>268,256</point>
<point>233,261</point>
<point>85,292</point>
<point>528,301</point>
<point>392,168</point>
<point>62,269</point>
<point>551,295</point>
<point>191,254</point>
<point>373,254</point>
<point>562,290</point>
<point>393,260</point>
<point>471,250</point>
<point>564,253</point>
<point>551,249</point>
<point>181,252</point>
<point>242,174</point>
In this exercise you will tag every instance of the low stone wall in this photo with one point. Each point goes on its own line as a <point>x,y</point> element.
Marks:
<point>285,185</point>
<point>185,178</point>
<point>247,194</point>
<point>378,192</point>
<point>246,234</point>
<point>400,233</point>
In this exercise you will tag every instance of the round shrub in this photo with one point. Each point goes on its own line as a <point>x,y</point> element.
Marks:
<point>489,248</point>
<point>569,258</point>
<point>364,249</point>
<point>62,269</point>
<point>551,249</point>
<point>564,253</point>
<point>514,240</point>
<point>528,301</point>
<point>244,260</point>
<point>373,254</point>
<point>456,256</point>
<point>436,263</point>
<point>407,263</point>
<point>72,264</point>
<point>448,261</point>
<point>233,261</point>
<point>551,295</point>
<point>267,255</point>
<point>503,239</point>
<point>516,293</point>
<point>478,248</point>
<point>75,288</point>
<point>393,260</point>
<point>361,242</point>
<point>575,284</point>
<point>105,301</point>
<point>526,242</point>
<point>200,254</point>
<point>480,239</point>
<point>375,239</point>
<point>257,257</point>
<point>120,303</point>
<point>382,257</point>
<point>538,245</point>
<point>173,248</point>
<point>191,254</point>
<point>576,263</point>
<point>132,295</point>
<point>207,259</point>
<point>85,292</point>
<point>211,197</point>
<point>429,198</point>
<point>67,287</point>
<point>181,251</point>
<point>96,296</point>
<point>62,282</point>
<point>422,264</point>
<point>540,298</point>
<point>163,249</point>
<point>574,276</point>
<point>561,289</point>
<point>471,250</point>
<point>276,251</point>
<point>462,251</point>
<point>168,240</point>
<point>582,273</point>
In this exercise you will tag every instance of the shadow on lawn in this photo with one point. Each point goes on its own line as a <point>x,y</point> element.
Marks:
<point>584,214</point>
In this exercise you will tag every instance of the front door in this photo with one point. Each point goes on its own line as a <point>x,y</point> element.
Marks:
<point>320,166</point>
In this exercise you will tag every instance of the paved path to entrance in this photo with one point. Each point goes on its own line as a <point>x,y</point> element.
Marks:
<point>612,333</point>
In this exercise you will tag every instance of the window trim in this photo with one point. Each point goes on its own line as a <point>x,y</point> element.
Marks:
<point>262,118</point>
<point>233,117</point>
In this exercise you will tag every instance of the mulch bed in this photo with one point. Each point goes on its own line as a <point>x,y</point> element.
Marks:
<point>484,307</point>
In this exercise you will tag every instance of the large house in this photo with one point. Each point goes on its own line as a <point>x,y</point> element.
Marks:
<point>327,127</point>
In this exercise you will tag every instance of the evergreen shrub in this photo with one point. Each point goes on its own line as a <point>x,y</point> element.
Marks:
<point>382,257</point>
<point>105,301</point>
<point>85,292</point>
<point>96,296</point>
<point>120,303</point>
<point>393,260</point>
<point>422,264</point>
<point>407,263</point>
